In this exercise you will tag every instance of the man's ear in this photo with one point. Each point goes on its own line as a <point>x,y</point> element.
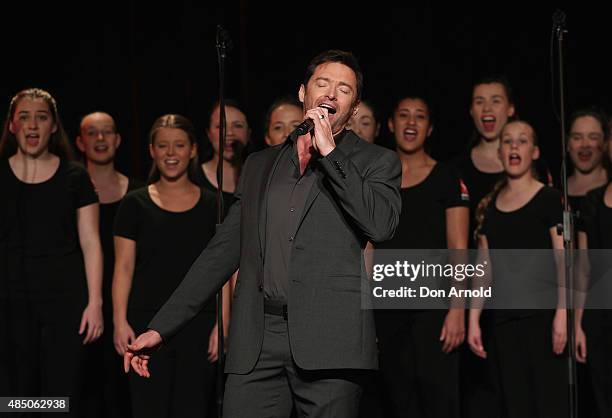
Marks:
<point>301,93</point>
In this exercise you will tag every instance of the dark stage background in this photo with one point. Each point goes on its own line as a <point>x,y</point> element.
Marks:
<point>138,60</point>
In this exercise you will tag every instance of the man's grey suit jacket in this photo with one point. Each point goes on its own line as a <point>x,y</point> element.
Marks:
<point>354,199</point>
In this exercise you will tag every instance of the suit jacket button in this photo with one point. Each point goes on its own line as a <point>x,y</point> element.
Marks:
<point>260,287</point>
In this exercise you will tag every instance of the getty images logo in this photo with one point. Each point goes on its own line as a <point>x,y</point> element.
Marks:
<point>412,272</point>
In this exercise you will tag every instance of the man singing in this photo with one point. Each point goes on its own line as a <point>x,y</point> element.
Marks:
<point>305,210</point>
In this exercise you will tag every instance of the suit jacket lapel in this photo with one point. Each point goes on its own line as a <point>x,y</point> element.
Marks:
<point>345,144</point>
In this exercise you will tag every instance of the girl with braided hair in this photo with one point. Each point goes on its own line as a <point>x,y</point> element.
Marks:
<point>523,213</point>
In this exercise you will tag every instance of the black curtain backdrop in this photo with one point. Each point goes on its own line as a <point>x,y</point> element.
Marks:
<point>140,60</point>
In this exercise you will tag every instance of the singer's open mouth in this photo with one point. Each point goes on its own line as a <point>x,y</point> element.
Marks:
<point>329,108</point>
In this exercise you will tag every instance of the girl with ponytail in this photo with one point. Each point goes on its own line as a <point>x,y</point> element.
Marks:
<point>159,232</point>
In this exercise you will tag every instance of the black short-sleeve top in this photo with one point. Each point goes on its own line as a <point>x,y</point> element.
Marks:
<point>167,243</point>
<point>41,217</point>
<point>527,227</point>
<point>596,219</point>
<point>522,274</point>
<point>39,240</point>
<point>422,223</point>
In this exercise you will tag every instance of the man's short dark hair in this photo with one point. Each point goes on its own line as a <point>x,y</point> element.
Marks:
<point>342,57</point>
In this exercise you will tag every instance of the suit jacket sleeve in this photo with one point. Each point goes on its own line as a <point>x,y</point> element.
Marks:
<point>207,275</point>
<point>370,198</point>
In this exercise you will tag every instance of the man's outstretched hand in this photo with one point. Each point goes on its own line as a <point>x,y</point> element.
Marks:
<point>139,352</point>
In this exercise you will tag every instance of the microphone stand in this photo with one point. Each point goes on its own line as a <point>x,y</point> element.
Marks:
<point>223,44</point>
<point>567,229</point>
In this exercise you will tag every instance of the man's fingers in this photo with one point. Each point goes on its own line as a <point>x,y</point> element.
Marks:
<point>143,342</point>
<point>321,135</point>
<point>145,367</point>
<point>136,353</point>
<point>136,365</point>
<point>127,359</point>
<point>140,365</point>
<point>317,113</point>
<point>135,345</point>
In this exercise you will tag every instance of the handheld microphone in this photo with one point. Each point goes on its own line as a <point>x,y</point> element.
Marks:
<point>308,125</point>
<point>304,127</point>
